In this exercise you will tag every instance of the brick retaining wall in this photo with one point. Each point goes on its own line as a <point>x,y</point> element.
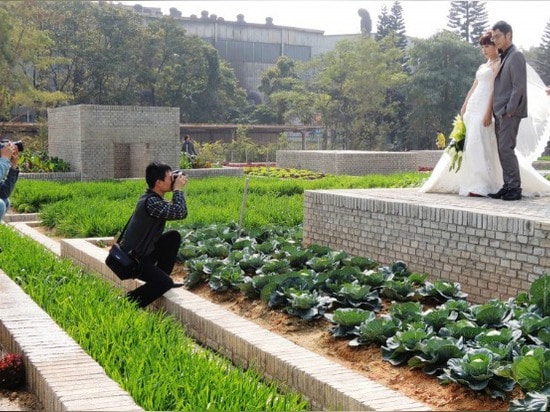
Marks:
<point>357,163</point>
<point>53,176</point>
<point>493,248</point>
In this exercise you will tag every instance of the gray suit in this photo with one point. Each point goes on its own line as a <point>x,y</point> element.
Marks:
<point>509,107</point>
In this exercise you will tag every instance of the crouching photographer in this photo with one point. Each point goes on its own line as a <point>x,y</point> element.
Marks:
<point>9,172</point>
<point>144,237</point>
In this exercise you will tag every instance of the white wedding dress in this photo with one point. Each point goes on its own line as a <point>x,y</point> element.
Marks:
<point>481,172</point>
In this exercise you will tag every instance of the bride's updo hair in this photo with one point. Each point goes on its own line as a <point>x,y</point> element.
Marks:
<point>485,40</point>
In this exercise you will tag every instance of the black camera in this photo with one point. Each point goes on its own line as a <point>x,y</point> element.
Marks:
<point>176,173</point>
<point>19,144</point>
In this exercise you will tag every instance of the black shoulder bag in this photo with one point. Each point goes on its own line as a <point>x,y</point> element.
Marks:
<point>123,264</point>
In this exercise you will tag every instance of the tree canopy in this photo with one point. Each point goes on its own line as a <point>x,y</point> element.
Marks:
<point>542,62</point>
<point>444,69</point>
<point>74,52</point>
<point>382,92</point>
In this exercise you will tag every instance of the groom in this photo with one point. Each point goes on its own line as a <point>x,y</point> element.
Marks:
<point>509,107</point>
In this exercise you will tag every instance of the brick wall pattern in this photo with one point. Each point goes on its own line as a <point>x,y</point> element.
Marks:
<point>492,255</point>
<point>104,142</point>
<point>357,163</point>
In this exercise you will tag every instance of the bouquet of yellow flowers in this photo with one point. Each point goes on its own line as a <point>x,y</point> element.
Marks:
<point>440,142</point>
<point>456,147</point>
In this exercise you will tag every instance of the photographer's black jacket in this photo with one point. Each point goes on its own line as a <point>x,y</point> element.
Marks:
<point>149,219</point>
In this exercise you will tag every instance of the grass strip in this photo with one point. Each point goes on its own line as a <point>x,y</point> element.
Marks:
<point>95,209</point>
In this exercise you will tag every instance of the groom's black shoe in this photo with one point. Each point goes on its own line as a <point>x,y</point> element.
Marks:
<point>499,194</point>
<point>512,194</point>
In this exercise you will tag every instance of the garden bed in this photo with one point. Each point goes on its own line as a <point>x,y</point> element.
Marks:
<point>364,359</point>
<point>367,361</point>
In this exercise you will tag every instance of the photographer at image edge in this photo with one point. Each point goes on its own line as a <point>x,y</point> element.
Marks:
<point>144,238</point>
<point>9,172</point>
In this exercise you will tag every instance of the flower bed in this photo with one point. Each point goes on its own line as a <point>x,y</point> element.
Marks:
<point>488,348</point>
<point>251,164</point>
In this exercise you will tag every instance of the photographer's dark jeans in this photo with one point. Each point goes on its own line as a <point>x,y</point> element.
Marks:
<point>156,270</point>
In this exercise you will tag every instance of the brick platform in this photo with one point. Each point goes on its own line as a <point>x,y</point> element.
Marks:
<point>495,249</point>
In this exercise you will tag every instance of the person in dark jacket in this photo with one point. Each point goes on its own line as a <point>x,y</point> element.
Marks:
<point>145,238</point>
<point>9,173</point>
<point>188,147</point>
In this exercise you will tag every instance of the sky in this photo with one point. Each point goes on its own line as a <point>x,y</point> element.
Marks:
<point>422,18</point>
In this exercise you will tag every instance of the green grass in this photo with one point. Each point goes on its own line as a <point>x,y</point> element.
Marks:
<point>102,208</point>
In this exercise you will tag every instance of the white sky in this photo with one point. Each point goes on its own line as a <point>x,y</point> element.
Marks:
<point>422,18</point>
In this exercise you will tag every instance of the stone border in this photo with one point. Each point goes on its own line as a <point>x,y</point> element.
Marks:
<point>325,383</point>
<point>53,176</point>
<point>357,162</point>
<point>58,371</point>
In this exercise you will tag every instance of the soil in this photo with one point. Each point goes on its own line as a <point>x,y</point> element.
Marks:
<point>20,400</point>
<point>367,361</point>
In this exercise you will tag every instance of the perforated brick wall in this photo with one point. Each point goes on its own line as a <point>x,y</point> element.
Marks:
<point>104,142</point>
<point>357,163</point>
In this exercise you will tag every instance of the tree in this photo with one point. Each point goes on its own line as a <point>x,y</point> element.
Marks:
<point>351,84</point>
<point>281,85</point>
<point>23,56</point>
<point>443,72</point>
<point>187,72</point>
<point>97,53</point>
<point>469,19</point>
<point>384,26</point>
<point>392,27</point>
<point>6,62</point>
<point>92,55</point>
<point>392,23</point>
<point>399,25</point>
<point>542,62</point>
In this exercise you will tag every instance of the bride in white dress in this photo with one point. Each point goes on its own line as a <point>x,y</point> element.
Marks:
<point>481,173</point>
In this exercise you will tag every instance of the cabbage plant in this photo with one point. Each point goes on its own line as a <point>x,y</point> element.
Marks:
<point>375,330</point>
<point>346,319</point>
<point>357,296</point>
<point>434,353</point>
<point>442,291</point>
<point>404,344</point>
<point>480,370</point>
<point>308,305</point>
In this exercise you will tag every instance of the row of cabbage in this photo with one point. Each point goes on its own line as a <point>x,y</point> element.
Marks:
<point>429,326</point>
